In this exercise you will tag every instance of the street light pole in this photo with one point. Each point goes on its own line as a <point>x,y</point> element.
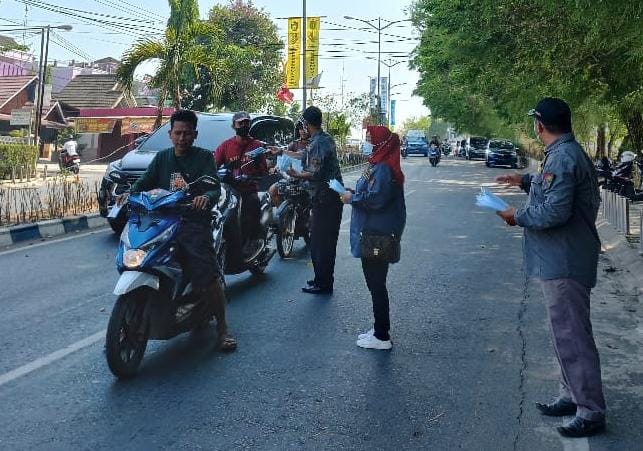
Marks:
<point>304,56</point>
<point>379,29</point>
<point>41,84</point>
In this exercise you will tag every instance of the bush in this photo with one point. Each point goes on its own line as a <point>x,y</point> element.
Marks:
<point>17,156</point>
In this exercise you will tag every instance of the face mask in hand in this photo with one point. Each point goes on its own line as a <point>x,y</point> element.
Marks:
<point>243,131</point>
<point>367,148</point>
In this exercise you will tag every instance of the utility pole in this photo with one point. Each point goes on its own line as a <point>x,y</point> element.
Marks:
<point>41,85</point>
<point>379,29</point>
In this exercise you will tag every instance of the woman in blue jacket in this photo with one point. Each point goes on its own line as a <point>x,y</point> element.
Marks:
<point>378,208</point>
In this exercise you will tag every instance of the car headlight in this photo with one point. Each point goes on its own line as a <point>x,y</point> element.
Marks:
<point>113,166</point>
<point>133,258</point>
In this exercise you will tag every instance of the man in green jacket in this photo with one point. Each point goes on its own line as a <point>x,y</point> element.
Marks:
<point>172,169</point>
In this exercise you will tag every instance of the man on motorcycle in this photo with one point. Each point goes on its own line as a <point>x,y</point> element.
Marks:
<point>172,169</point>
<point>232,152</point>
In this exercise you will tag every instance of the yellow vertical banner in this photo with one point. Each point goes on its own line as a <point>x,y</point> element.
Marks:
<point>293,66</point>
<point>312,50</point>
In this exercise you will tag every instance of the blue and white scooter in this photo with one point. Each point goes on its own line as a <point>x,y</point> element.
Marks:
<point>155,301</point>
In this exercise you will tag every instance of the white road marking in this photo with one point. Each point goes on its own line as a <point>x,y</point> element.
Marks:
<point>53,240</point>
<point>51,358</point>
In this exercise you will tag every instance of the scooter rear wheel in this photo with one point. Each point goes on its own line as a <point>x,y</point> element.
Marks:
<point>127,334</point>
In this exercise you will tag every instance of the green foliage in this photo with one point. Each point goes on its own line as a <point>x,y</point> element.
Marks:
<point>16,156</point>
<point>484,63</point>
<point>416,123</point>
<point>252,56</point>
<point>338,118</point>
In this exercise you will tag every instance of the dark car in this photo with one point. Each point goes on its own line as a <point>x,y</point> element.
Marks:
<point>213,130</point>
<point>415,144</point>
<point>476,147</point>
<point>501,152</point>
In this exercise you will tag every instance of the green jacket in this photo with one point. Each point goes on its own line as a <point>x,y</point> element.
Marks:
<point>167,171</point>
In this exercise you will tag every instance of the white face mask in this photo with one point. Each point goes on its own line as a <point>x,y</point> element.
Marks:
<point>367,148</point>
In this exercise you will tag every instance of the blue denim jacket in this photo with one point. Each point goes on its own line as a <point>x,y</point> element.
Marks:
<point>559,218</point>
<point>378,206</point>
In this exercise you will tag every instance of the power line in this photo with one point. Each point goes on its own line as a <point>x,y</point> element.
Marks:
<point>136,12</point>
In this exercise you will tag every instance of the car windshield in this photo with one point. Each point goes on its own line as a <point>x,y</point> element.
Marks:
<point>501,145</point>
<point>478,142</point>
<point>214,130</point>
<point>415,139</point>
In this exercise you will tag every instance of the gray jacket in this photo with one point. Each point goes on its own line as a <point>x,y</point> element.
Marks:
<point>559,217</point>
<point>320,159</point>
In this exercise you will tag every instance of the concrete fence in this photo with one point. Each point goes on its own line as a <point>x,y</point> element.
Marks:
<point>616,209</point>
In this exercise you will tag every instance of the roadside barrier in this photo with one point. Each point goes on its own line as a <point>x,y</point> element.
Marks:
<point>616,209</point>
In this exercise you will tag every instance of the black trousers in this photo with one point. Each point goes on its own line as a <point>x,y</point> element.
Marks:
<point>324,231</point>
<point>196,253</point>
<point>375,273</point>
<point>250,217</point>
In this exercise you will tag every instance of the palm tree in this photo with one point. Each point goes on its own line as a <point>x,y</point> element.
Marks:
<point>188,50</point>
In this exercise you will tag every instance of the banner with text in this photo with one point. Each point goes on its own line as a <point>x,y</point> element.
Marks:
<point>94,125</point>
<point>312,51</point>
<point>293,66</point>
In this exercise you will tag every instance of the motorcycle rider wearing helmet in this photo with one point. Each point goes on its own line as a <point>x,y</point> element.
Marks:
<point>233,152</point>
<point>172,169</point>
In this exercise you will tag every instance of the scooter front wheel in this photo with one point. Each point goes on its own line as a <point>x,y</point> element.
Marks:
<point>127,334</point>
<point>286,233</point>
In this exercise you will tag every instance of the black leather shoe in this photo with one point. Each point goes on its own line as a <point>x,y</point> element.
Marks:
<point>310,283</point>
<point>558,408</point>
<point>314,289</point>
<point>580,427</point>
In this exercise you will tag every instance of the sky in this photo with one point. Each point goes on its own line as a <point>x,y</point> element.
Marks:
<point>348,48</point>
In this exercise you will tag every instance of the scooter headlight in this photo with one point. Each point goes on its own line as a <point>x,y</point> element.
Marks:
<point>133,258</point>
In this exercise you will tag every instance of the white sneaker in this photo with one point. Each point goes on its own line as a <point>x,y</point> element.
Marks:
<point>372,342</point>
<point>366,334</point>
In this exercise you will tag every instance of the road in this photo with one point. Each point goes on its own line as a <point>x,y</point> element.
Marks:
<point>471,349</point>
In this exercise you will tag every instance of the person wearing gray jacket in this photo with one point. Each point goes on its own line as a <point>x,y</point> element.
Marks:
<point>561,247</point>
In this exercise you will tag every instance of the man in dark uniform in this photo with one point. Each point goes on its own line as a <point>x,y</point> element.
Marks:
<point>561,249</point>
<point>172,169</point>
<point>321,166</point>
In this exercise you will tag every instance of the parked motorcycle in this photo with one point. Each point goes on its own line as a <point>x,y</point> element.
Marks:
<point>434,155</point>
<point>68,162</point>
<point>228,239</point>
<point>293,215</point>
<point>155,300</point>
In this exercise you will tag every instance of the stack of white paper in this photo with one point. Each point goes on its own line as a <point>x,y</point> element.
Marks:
<point>284,162</point>
<point>335,185</point>
<point>486,199</point>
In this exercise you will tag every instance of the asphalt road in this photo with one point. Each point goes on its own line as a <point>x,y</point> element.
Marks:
<point>471,351</point>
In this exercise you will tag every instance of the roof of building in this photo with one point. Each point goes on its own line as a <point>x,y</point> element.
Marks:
<point>107,60</point>
<point>92,91</point>
<point>6,41</point>
<point>11,86</point>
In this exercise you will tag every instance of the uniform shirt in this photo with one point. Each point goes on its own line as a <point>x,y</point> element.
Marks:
<point>233,151</point>
<point>559,217</point>
<point>320,159</point>
<point>169,172</point>
<point>378,206</point>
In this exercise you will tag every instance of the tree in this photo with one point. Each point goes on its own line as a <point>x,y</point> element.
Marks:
<point>416,123</point>
<point>189,49</point>
<point>253,56</point>
<point>485,80</point>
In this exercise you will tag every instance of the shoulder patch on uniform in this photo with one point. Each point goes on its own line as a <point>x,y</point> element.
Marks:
<point>548,179</point>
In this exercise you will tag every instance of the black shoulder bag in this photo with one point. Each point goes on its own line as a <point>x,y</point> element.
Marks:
<point>384,248</point>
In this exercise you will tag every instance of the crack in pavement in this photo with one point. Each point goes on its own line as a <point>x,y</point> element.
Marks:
<point>523,353</point>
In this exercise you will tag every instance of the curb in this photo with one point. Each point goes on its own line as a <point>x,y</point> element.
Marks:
<point>49,228</point>
<point>626,259</point>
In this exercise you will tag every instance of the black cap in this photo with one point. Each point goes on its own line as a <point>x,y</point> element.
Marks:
<point>313,116</point>
<point>240,116</point>
<point>553,111</point>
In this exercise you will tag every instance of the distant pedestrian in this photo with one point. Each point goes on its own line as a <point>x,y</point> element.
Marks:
<point>561,249</point>
<point>320,165</point>
<point>377,222</point>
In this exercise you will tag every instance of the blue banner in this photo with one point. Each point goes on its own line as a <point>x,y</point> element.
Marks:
<point>392,113</point>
